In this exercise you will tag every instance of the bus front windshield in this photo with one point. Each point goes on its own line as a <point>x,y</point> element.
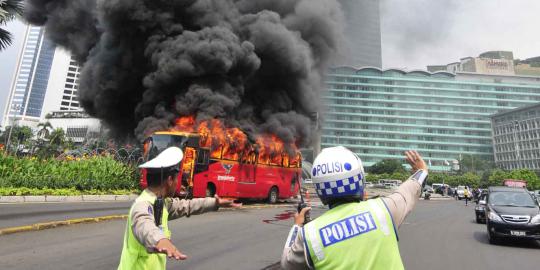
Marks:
<point>159,142</point>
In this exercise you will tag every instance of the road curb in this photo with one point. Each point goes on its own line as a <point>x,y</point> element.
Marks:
<point>55,224</point>
<point>78,198</point>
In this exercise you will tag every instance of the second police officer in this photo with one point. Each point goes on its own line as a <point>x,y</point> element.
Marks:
<point>352,234</point>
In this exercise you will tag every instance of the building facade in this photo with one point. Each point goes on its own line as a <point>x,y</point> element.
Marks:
<point>78,126</point>
<point>63,86</point>
<point>380,114</point>
<point>516,138</point>
<point>362,32</point>
<point>29,85</point>
<point>493,62</point>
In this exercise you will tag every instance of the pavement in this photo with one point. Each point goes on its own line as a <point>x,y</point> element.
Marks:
<point>444,235</point>
<point>439,234</point>
<point>77,198</point>
<point>15,215</point>
<point>241,239</point>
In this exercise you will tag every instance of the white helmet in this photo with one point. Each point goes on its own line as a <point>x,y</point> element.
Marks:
<point>338,173</point>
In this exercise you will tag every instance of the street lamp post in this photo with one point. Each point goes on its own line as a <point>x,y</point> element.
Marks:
<point>516,143</point>
<point>15,107</point>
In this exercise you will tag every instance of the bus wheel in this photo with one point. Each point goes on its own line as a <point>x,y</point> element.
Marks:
<point>210,190</point>
<point>273,195</point>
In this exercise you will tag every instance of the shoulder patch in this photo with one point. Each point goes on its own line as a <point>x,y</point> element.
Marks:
<point>150,210</point>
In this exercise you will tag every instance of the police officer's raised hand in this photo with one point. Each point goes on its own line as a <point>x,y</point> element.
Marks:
<point>165,246</point>
<point>226,203</point>
<point>300,218</point>
<point>415,160</point>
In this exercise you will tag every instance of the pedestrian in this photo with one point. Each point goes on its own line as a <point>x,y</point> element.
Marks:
<point>466,194</point>
<point>352,234</point>
<point>147,237</point>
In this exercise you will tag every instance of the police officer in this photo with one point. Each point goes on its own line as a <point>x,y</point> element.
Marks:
<point>353,234</point>
<point>147,240</point>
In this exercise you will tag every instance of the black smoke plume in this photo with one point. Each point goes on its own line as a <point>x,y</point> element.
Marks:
<point>256,64</point>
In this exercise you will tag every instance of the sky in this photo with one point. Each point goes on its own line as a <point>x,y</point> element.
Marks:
<point>414,33</point>
<point>417,33</point>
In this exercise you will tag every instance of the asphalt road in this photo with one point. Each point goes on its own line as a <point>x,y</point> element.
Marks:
<point>12,215</point>
<point>238,239</point>
<point>444,235</point>
<point>438,235</point>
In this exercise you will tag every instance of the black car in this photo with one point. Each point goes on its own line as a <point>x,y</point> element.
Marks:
<point>480,209</point>
<point>511,212</point>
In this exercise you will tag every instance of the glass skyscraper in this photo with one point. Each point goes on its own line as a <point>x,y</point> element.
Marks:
<point>362,33</point>
<point>30,82</point>
<point>381,113</point>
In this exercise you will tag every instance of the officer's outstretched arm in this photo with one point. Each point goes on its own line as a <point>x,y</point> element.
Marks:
<point>179,207</point>
<point>403,200</point>
<point>144,226</point>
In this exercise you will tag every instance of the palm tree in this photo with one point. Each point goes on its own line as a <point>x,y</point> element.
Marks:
<point>57,137</point>
<point>9,9</point>
<point>44,130</point>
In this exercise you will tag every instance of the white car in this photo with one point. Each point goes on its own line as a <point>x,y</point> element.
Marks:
<point>461,192</point>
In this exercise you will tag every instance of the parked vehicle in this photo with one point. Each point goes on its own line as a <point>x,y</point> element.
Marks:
<point>460,192</point>
<point>428,189</point>
<point>515,183</point>
<point>511,212</point>
<point>480,209</point>
<point>435,186</point>
<point>536,195</point>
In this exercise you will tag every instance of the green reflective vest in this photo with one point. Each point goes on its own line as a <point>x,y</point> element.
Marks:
<point>353,236</point>
<point>134,254</point>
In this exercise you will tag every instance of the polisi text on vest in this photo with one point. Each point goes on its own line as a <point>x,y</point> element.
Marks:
<point>347,228</point>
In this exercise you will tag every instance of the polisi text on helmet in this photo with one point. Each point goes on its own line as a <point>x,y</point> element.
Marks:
<point>330,167</point>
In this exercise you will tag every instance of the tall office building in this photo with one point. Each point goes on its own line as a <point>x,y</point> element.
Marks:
<point>516,138</point>
<point>362,32</point>
<point>63,86</point>
<point>380,113</point>
<point>29,85</point>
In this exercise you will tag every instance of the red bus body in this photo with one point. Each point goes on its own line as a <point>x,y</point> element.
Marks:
<point>242,178</point>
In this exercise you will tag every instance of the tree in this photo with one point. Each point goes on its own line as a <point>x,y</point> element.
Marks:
<point>388,166</point>
<point>44,130</point>
<point>497,177</point>
<point>469,179</point>
<point>57,137</point>
<point>530,176</point>
<point>9,9</point>
<point>474,163</point>
<point>21,135</point>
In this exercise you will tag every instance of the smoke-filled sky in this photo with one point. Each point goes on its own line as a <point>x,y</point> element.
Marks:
<point>258,65</point>
<point>415,33</point>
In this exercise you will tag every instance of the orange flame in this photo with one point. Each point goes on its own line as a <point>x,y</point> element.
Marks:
<point>233,143</point>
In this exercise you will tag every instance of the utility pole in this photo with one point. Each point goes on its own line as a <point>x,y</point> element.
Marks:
<point>472,160</point>
<point>516,143</point>
<point>16,107</point>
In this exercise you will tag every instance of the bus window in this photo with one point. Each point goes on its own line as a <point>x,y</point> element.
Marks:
<point>285,160</point>
<point>147,146</point>
<point>202,157</point>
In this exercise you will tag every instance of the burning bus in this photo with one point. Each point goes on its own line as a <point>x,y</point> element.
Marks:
<point>223,161</point>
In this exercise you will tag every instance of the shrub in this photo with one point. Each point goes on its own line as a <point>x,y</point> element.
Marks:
<point>92,173</point>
